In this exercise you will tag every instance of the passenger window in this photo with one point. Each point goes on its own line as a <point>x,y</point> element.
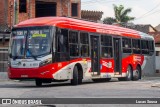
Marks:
<point>62,41</point>
<point>84,39</point>
<point>145,47</point>
<point>126,42</point>
<point>73,44</point>
<point>106,46</point>
<point>151,46</point>
<point>62,45</point>
<point>136,46</point>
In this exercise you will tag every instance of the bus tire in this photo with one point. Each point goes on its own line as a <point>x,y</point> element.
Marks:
<point>79,81</point>
<point>129,75</point>
<point>137,74</point>
<point>38,82</point>
<point>75,81</point>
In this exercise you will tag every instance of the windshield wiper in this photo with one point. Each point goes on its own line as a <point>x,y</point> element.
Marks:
<point>15,57</point>
<point>35,58</point>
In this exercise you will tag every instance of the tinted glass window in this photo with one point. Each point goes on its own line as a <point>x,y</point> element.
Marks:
<point>145,47</point>
<point>136,46</point>
<point>106,46</point>
<point>62,39</point>
<point>73,44</point>
<point>84,40</point>
<point>126,42</point>
<point>106,40</point>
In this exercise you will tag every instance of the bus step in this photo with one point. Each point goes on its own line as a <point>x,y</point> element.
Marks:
<point>96,76</point>
<point>117,73</point>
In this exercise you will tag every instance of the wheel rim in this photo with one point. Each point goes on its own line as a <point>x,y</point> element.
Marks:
<point>137,73</point>
<point>128,72</point>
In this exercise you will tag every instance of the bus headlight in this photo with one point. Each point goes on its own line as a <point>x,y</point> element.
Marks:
<point>45,62</point>
<point>9,64</point>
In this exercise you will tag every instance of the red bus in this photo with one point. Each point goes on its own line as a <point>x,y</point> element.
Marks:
<point>52,49</point>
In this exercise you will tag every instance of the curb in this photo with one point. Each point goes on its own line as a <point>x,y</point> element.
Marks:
<point>156,85</point>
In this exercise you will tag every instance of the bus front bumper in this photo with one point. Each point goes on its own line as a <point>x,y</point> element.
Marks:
<point>45,72</point>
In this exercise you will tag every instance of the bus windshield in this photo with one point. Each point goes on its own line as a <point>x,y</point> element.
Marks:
<point>30,42</point>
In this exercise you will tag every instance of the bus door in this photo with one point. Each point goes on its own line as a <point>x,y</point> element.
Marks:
<point>95,54</point>
<point>117,56</point>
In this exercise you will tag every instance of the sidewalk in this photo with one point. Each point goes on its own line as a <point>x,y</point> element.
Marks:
<point>3,76</point>
<point>155,77</point>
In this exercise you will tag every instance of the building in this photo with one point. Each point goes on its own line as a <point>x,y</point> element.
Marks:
<point>91,15</point>
<point>140,27</point>
<point>156,36</point>
<point>15,11</point>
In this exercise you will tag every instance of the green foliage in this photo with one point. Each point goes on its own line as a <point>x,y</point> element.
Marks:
<point>121,15</point>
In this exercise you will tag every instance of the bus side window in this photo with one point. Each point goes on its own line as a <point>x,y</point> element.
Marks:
<point>145,47</point>
<point>151,47</point>
<point>62,39</point>
<point>136,46</point>
<point>126,43</point>
<point>84,40</point>
<point>106,46</point>
<point>73,44</point>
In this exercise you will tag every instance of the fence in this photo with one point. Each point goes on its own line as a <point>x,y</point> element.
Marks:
<point>3,59</point>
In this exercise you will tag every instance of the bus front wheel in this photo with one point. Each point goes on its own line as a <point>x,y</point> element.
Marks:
<point>75,81</point>
<point>38,82</point>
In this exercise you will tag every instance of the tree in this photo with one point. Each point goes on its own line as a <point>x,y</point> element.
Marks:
<point>109,20</point>
<point>121,15</point>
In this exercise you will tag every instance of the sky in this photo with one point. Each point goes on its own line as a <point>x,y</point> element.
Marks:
<point>144,11</point>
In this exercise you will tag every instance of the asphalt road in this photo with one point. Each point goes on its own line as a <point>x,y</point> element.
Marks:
<point>145,88</point>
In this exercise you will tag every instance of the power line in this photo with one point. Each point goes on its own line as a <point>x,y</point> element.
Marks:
<point>96,1</point>
<point>148,15</point>
<point>99,1</point>
<point>149,11</point>
<point>84,5</point>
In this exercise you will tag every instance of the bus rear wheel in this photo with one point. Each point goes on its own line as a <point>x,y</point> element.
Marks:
<point>38,82</point>
<point>137,74</point>
<point>129,75</point>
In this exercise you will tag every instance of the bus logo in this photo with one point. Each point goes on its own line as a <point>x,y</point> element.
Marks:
<point>107,64</point>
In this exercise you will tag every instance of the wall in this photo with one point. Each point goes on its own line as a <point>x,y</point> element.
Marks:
<point>3,14</point>
<point>158,59</point>
<point>63,9</point>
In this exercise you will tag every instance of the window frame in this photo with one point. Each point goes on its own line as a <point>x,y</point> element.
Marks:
<point>145,50</point>
<point>59,58</point>
<point>74,11</point>
<point>84,44</point>
<point>134,48</point>
<point>125,48</point>
<point>78,42</point>
<point>110,46</point>
<point>22,6</point>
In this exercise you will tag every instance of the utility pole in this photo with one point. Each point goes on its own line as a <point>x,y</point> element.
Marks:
<point>15,12</point>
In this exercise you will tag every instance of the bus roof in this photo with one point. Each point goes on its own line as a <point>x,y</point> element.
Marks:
<point>76,24</point>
